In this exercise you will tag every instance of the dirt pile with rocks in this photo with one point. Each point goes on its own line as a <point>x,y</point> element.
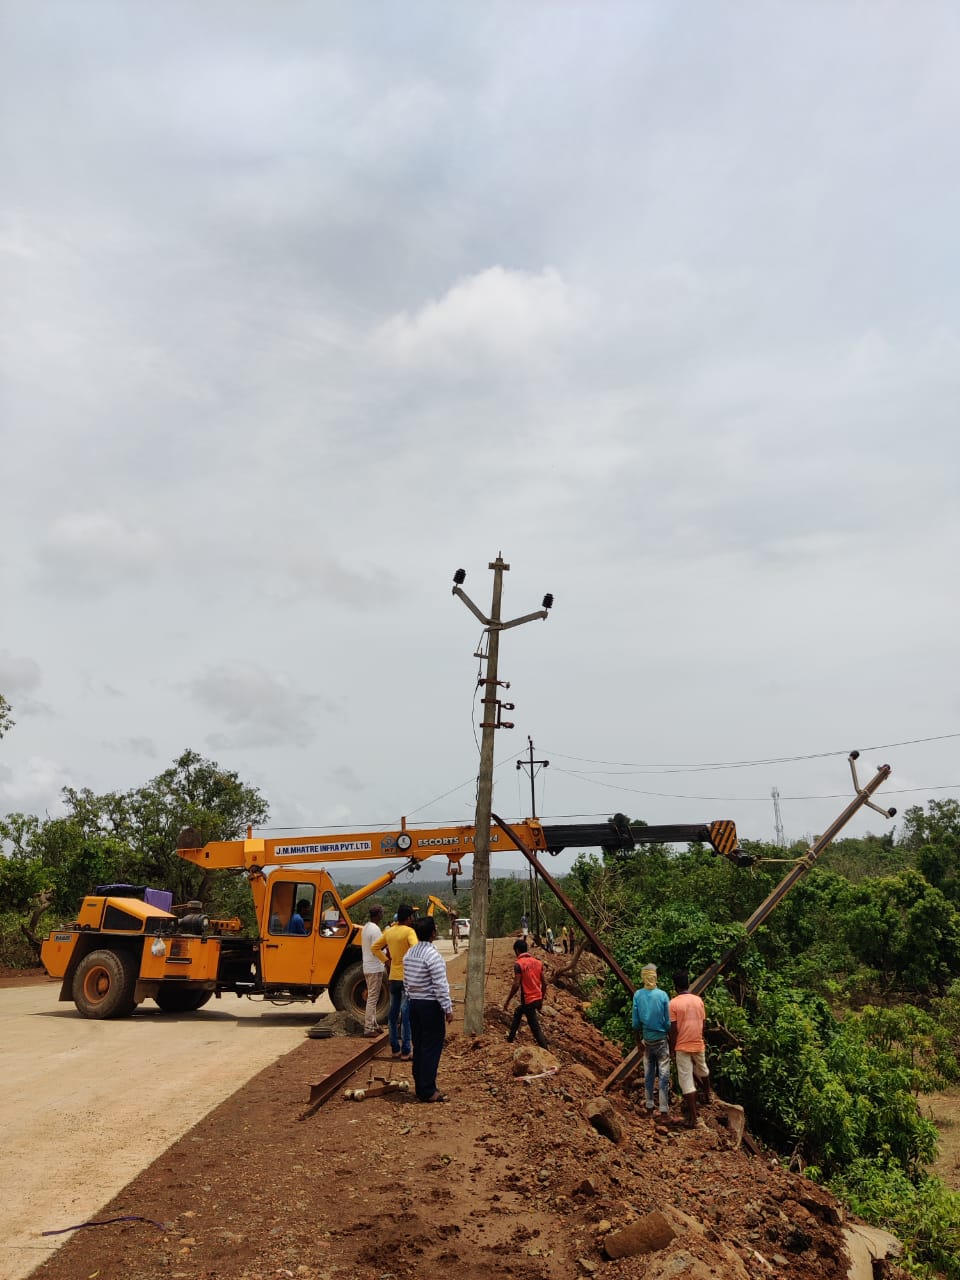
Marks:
<point>510,1177</point>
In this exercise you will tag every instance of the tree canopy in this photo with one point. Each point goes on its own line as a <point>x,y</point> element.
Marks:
<point>127,837</point>
<point>6,716</point>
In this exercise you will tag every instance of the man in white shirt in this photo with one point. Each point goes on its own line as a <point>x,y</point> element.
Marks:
<point>372,969</point>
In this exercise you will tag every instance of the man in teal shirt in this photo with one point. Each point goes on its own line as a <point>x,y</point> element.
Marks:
<point>651,1026</point>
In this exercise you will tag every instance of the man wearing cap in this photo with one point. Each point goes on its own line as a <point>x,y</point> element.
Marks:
<point>531,982</point>
<point>651,1027</point>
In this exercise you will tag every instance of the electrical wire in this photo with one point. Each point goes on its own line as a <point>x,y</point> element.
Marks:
<point>387,826</point>
<point>585,775</point>
<point>746,764</point>
<point>473,704</point>
<point>671,795</point>
<point>570,817</point>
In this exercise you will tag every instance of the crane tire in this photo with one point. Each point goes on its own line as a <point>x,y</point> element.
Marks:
<point>104,984</point>
<point>349,993</point>
<point>174,998</point>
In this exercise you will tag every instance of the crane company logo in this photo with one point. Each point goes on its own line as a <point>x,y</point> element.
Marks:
<point>437,842</point>
<point>336,846</point>
<point>388,842</point>
<point>443,842</point>
<point>62,937</point>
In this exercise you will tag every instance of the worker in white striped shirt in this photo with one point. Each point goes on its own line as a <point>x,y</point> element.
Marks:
<point>428,994</point>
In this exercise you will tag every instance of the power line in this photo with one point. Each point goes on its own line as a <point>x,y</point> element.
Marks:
<point>747,764</point>
<point>368,826</point>
<point>672,795</point>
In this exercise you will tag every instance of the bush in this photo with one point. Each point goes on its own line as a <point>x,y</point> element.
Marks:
<point>15,949</point>
<point>925,1215</point>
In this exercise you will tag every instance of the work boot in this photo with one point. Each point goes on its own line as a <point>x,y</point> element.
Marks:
<point>691,1115</point>
<point>704,1092</point>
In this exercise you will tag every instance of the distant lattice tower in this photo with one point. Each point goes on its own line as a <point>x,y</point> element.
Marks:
<point>778,819</point>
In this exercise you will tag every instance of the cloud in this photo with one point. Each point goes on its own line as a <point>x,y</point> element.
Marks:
<point>135,745</point>
<point>262,708</point>
<point>93,552</point>
<point>494,317</point>
<point>299,317</point>
<point>18,674</point>
<point>325,575</point>
<point>346,779</point>
<point>34,785</point>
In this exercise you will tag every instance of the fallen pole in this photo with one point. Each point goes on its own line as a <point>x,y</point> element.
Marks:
<point>773,899</point>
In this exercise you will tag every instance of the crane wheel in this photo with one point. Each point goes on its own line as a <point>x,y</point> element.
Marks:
<point>104,984</point>
<point>174,998</point>
<point>349,994</point>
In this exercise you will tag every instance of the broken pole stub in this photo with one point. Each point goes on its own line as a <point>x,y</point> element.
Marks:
<point>603,1117</point>
<point>647,1235</point>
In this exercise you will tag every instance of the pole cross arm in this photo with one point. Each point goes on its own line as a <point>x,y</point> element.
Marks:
<point>527,617</point>
<point>458,591</point>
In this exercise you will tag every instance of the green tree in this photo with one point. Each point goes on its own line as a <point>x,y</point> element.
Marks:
<point>131,837</point>
<point>906,930</point>
<point>6,719</point>
<point>147,820</point>
<point>506,905</point>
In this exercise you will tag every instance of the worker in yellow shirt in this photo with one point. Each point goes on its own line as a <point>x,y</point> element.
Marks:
<point>396,941</point>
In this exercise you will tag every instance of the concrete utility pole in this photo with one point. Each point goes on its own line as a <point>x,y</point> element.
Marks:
<point>531,764</point>
<point>491,721</point>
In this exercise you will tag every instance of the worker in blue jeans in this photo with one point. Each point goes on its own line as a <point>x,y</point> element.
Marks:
<point>651,1027</point>
<point>391,947</point>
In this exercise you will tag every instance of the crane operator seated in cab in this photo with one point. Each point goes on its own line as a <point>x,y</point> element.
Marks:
<point>299,921</point>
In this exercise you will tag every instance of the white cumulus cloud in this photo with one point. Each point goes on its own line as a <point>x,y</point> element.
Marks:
<point>495,316</point>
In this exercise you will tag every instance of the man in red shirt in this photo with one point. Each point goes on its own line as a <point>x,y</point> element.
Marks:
<point>531,981</point>
<point>687,1016</point>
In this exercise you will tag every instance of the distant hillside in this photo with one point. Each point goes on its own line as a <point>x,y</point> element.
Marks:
<point>355,876</point>
<point>413,889</point>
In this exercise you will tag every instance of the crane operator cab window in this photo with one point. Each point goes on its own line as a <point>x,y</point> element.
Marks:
<point>332,923</point>
<point>292,908</point>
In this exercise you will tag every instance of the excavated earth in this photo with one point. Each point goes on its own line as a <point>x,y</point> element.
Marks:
<point>507,1178</point>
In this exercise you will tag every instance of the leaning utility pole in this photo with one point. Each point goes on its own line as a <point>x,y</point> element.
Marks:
<point>491,721</point>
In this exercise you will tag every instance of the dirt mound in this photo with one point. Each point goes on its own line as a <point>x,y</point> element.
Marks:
<point>508,1178</point>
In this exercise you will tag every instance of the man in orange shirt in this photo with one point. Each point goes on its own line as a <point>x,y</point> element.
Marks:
<point>531,981</point>
<point>687,1016</point>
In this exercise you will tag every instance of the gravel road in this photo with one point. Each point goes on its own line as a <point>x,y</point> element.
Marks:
<point>87,1105</point>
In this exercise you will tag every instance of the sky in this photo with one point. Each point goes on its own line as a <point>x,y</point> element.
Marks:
<point>304,307</point>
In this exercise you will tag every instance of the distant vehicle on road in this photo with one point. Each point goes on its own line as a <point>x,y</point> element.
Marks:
<point>462,927</point>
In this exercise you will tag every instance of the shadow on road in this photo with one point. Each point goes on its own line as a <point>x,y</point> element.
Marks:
<point>219,1016</point>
